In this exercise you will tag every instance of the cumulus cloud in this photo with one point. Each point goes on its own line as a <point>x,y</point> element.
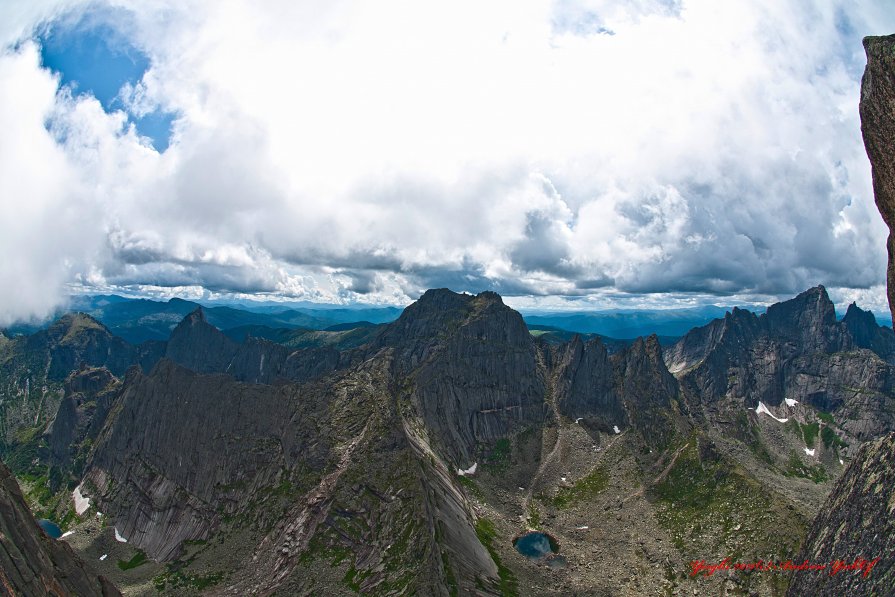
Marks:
<point>582,148</point>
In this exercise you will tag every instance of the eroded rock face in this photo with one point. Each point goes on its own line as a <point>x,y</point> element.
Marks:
<point>878,128</point>
<point>89,395</point>
<point>856,522</point>
<point>33,564</point>
<point>473,369</point>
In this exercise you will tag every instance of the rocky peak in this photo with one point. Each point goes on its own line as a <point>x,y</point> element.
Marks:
<point>861,324</point>
<point>877,110</point>
<point>807,317</point>
<point>198,345</point>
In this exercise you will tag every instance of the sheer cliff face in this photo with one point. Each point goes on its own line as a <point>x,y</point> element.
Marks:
<point>878,127</point>
<point>856,522</point>
<point>33,564</point>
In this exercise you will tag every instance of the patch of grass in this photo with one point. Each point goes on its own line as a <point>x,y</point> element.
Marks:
<point>177,579</point>
<point>484,529</point>
<point>830,439</point>
<point>826,417</point>
<point>138,560</point>
<point>708,503</point>
<point>584,488</point>
<point>498,460</point>
<point>797,468</point>
<point>471,486</point>
<point>750,435</point>
<point>809,433</point>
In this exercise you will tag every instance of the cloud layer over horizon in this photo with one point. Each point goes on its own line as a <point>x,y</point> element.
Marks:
<point>366,151</point>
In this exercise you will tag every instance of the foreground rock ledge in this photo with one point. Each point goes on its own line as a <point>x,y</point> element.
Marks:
<point>878,128</point>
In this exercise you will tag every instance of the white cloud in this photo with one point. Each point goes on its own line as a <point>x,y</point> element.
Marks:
<point>373,149</point>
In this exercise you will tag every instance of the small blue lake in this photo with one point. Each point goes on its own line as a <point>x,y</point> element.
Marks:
<point>535,545</point>
<point>50,528</point>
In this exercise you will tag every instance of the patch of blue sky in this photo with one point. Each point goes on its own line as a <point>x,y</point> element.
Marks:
<point>92,56</point>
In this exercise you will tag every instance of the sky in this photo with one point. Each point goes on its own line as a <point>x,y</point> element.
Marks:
<point>583,154</point>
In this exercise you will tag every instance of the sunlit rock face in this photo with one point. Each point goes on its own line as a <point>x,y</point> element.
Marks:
<point>878,128</point>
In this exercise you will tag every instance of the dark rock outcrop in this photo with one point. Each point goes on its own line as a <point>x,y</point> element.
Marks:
<point>878,128</point>
<point>795,351</point>
<point>33,564</point>
<point>868,334</point>
<point>629,388</point>
<point>472,368</point>
<point>89,395</point>
<point>856,523</point>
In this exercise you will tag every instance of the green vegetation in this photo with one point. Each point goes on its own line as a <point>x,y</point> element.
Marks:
<point>797,468</point>
<point>471,486</point>
<point>175,579</point>
<point>584,488</point>
<point>809,433</point>
<point>707,502</point>
<point>830,439</point>
<point>749,434</point>
<point>826,417</point>
<point>484,529</point>
<point>534,516</point>
<point>138,560</point>
<point>499,458</point>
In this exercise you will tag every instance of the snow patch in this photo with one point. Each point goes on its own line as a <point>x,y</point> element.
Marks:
<point>103,557</point>
<point>790,401</point>
<point>118,536</point>
<point>761,408</point>
<point>584,528</point>
<point>563,479</point>
<point>81,502</point>
<point>616,429</point>
<point>469,471</point>
<point>578,420</point>
<point>66,534</point>
<point>840,461</point>
<point>809,452</point>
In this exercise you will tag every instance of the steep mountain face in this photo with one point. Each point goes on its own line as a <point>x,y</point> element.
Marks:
<point>89,395</point>
<point>856,528</point>
<point>877,110</point>
<point>312,471</point>
<point>471,366</point>
<point>796,351</point>
<point>33,564</point>
<point>631,388</point>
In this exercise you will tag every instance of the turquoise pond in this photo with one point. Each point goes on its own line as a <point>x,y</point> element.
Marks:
<point>50,528</point>
<point>535,545</point>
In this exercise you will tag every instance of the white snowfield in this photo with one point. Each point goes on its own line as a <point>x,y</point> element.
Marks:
<point>81,502</point>
<point>469,471</point>
<point>103,557</point>
<point>761,408</point>
<point>790,401</point>
<point>809,452</point>
<point>616,429</point>
<point>119,538</point>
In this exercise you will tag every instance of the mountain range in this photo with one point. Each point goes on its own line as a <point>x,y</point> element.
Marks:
<point>407,460</point>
